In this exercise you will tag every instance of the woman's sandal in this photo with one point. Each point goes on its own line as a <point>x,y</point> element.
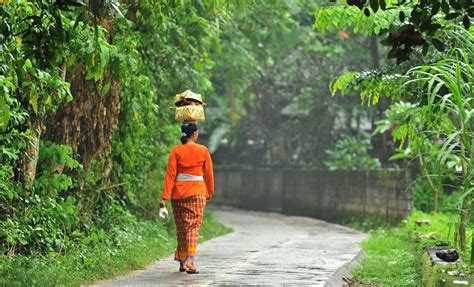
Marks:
<point>190,269</point>
<point>181,267</point>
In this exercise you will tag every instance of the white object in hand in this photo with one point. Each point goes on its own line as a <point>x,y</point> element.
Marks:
<point>164,213</point>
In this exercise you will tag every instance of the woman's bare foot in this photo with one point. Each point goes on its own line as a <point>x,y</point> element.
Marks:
<point>182,268</point>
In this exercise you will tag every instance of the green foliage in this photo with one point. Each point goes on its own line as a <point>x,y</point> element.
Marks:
<point>35,228</point>
<point>31,87</point>
<point>438,130</point>
<point>217,135</point>
<point>371,85</point>
<point>423,197</point>
<point>447,114</point>
<point>264,69</point>
<point>12,141</point>
<point>351,154</point>
<point>399,115</point>
<point>88,263</point>
<point>54,159</point>
<point>31,221</point>
<point>406,26</point>
<point>344,18</point>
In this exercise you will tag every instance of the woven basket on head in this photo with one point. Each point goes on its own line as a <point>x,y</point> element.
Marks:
<point>190,113</point>
<point>189,107</point>
<point>188,97</point>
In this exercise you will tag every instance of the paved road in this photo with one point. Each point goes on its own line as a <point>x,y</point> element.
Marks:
<point>264,249</point>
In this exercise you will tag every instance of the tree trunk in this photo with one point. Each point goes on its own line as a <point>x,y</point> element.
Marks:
<point>374,51</point>
<point>31,153</point>
<point>88,122</point>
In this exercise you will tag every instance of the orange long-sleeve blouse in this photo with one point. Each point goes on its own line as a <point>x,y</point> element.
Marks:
<point>193,159</point>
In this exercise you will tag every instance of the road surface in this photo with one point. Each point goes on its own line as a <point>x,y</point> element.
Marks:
<point>264,249</point>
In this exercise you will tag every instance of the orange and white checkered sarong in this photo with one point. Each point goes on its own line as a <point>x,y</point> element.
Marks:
<point>188,213</point>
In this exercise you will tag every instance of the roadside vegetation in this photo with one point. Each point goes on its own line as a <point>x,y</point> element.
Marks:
<point>394,255</point>
<point>427,105</point>
<point>130,247</point>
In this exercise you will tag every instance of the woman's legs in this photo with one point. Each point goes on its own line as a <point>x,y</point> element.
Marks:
<point>182,250</point>
<point>188,218</point>
<point>194,222</point>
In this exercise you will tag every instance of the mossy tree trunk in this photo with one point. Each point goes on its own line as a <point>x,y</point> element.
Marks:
<point>88,122</point>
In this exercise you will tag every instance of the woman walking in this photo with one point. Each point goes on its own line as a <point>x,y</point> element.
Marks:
<point>189,182</point>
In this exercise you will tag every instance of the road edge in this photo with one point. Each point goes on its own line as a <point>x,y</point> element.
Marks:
<point>345,271</point>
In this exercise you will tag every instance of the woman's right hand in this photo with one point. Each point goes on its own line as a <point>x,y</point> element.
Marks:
<point>162,203</point>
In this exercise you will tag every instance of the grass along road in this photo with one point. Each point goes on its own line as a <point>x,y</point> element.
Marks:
<point>141,244</point>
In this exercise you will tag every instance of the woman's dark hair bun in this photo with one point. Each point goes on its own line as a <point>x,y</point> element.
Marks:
<point>187,130</point>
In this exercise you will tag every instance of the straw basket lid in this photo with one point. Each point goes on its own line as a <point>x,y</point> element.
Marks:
<point>189,95</point>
